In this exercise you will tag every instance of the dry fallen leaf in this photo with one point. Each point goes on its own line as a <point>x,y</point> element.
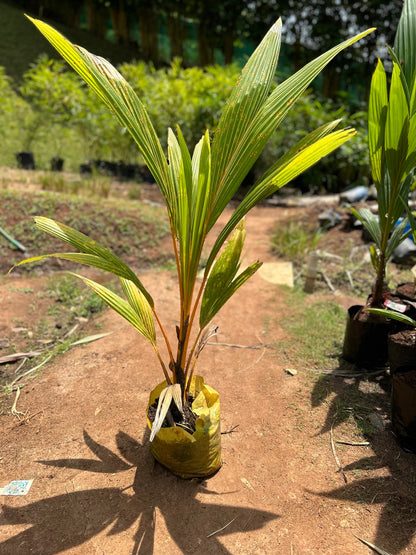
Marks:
<point>247,483</point>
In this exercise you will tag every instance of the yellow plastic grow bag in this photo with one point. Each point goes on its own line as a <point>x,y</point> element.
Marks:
<point>196,455</point>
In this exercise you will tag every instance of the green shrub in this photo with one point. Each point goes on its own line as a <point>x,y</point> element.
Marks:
<point>70,112</point>
<point>13,111</point>
<point>346,167</point>
<point>55,114</point>
<point>192,98</point>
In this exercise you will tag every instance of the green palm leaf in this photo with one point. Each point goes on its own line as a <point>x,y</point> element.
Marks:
<point>410,163</point>
<point>181,182</point>
<point>87,259</point>
<point>397,129</point>
<point>201,181</point>
<point>118,95</point>
<point>404,42</point>
<point>140,305</point>
<point>303,155</point>
<point>221,284</point>
<point>398,235</point>
<point>93,254</point>
<point>377,113</point>
<point>395,315</point>
<point>258,128</point>
<point>370,222</point>
<point>306,156</point>
<point>123,308</point>
<point>225,294</point>
<point>403,191</point>
<point>410,216</point>
<point>245,103</point>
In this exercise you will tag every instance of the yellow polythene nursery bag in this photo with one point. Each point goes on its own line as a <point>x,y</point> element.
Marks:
<point>196,455</point>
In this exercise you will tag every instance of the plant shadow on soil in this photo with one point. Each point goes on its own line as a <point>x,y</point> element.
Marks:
<point>89,512</point>
<point>387,476</point>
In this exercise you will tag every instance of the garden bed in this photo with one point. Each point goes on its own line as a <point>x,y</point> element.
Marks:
<point>310,462</point>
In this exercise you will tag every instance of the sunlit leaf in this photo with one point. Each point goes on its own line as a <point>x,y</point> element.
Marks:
<point>377,113</point>
<point>222,282</point>
<point>122,307</point>
<point>370,222</point>
<point>394,315</point>
<point>118,95</point>
<point>165,399</point>
<point>260,126</point>
<point>140,305</point>
<point>222,273</point>
<point>397,129</point>
<point>303,155</point>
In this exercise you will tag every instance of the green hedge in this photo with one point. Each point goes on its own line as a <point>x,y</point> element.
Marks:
<point>53,113</point>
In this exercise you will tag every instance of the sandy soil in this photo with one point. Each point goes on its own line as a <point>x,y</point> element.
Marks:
<point>81,436</point>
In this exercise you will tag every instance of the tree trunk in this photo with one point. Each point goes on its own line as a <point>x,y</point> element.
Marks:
<point>296,55</point>
<point>228,47</point>
<point>176,36</point>
<point>96,18</point>
<point>330,85</point>
<point>205,50</point>
<point>119,22</point>
<point>64,11</point>
<point>149,40</point>
<point>377,297</point>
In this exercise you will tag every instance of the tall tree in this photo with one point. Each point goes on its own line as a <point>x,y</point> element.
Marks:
<point>315,26</point>
<point>229,26</point>
<point>176,33</point>
<point>96,12</point>
<point>148,19</point>
<point>119,13</point>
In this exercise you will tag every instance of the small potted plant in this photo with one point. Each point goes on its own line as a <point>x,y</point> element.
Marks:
<point>407,290</point>
<point>185,432</point>
<point>392,149</point>
<point>402,360</point>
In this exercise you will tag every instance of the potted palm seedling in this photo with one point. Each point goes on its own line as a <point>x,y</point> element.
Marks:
<point>183,412</point>
<point>392,150</point>
<point>407,290</point>
<point>402,361</point>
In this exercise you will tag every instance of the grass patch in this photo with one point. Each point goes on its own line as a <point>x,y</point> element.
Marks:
<point>70,294</point>
<point>316,329</point>
<point>97,185</point>
<point>67,318</point>
<point>294,240</point>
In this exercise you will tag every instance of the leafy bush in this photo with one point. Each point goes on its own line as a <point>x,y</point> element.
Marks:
<point>54,114</point>
<point>68,108</point>
<point>13,111</point>
<point>345,167</point>
<point>192,98</point>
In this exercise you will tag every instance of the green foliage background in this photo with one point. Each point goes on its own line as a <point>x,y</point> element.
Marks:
<point>53,113</point>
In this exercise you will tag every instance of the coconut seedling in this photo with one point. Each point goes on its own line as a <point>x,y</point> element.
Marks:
<point>392,148</point>
<point>392,152</point>
<point>197,187</point>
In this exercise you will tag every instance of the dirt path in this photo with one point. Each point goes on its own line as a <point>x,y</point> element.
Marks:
<point>97,489</point>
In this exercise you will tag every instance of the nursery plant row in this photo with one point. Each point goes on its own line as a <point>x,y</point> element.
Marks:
<point>54,116</point>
